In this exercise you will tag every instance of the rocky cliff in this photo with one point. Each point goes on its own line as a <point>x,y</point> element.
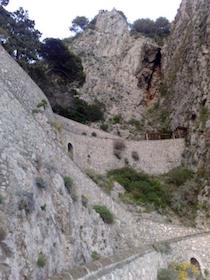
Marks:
<point>119,66</point>
<point>44,227</point>
<point>186,90</point>
<point>186,77</point>
<point>47,225</point>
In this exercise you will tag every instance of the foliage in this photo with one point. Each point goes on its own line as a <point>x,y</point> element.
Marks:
<point>4,2</point>
<point>81,111</point>
<point>142,188</point>
<point>21,37</point>
<point>136,123</point>
<point>79,24</point>
<point>145,26</point>
<point>179,176</point>
<point>43,207</point>
<point>61,61</point>
<point>167,274</point>
<point>102,181</point>
<point>186,270</point>
<point>150,28</point>
<point>95,256</point>
<point>41,184</point>
<point>71,189</point>
<point>43,103</point>
<point>68,182</point>
<point>41,260</point>
<point>105,214</point>
<point>116,119</point>
<point>104,127</point>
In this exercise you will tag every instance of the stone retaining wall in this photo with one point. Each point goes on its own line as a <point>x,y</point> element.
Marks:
<point>144,262</point>
<point>94,149</point>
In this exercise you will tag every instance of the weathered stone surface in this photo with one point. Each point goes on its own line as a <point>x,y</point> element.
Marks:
<point>114,62</point>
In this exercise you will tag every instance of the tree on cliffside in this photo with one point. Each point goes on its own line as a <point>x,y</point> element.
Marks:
<point>61,61</point>
<point>79,24</point>
<point>4,2</point>
<point>21,37</point>
<point>159,28</point>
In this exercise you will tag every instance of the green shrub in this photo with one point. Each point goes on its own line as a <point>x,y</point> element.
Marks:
<point>68,182</point>
<point>116,119</point>
<point>136,123</point>
<point>81,111</point>
<point>167,274</point>
<point>41,260</point>
<point>43,207</point>
<point>102,181</point>
<point>43,104</point>
<point>40,183</point>
<point>95,256</point>
<point>104,213</point>
<point>143,189</point>
<point>94,134</point>
<point>178,176</point>
<point>104,126</point>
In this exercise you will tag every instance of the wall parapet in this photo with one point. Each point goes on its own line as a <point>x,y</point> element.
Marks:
<point>105,266</point>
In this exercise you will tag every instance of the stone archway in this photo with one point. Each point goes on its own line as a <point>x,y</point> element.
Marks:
<point>70,150</point>
<point>196,263</point>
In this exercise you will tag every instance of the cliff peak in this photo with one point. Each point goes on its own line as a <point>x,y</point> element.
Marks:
<point>111,22</point>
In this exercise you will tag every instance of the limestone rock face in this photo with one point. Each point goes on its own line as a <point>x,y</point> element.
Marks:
<point>41,222</point>
<point>186,77</point>
<point>114,61</point>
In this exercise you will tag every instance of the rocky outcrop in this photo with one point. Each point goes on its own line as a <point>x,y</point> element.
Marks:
<point>46,227</point>
<point>120,67</point>
<point>186,78</point>
<point>186,89</point>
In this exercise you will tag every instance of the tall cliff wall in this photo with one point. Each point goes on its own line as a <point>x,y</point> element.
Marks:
<point>41,222</point>
<point>186,78</point>
<point>116,64</point>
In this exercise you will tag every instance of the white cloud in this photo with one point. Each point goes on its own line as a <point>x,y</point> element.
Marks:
<point>53,18</point>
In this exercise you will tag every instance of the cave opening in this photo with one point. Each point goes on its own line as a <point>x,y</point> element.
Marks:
<point>70,150</point>
<point>156,66</point>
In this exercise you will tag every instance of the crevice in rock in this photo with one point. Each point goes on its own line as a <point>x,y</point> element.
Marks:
<point>156,67</point>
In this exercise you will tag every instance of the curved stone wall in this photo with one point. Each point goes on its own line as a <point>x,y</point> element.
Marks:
<point>144,262</point>
<point>94,149</point>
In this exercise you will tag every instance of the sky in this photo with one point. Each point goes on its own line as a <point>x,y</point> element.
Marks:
<point>53,17</point>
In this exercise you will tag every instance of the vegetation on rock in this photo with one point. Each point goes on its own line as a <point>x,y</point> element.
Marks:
<point>105,214</point>
<point>159,28</point>
<point>140,187</point>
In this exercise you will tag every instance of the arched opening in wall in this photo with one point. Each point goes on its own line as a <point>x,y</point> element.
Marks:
<point>195,263</point>
<point>70,150</point>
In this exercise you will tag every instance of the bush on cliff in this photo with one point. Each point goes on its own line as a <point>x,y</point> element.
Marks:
<point>178,176</point>
<point>141,187</point>
<point>105,214</point>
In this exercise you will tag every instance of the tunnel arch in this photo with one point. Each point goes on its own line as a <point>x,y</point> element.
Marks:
<point>70,150</point>
<point>195,263</point>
